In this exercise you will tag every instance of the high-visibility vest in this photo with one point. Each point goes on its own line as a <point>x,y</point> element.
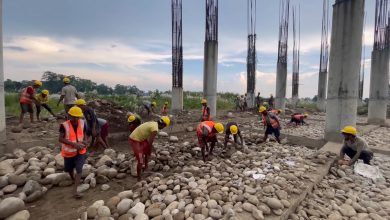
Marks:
<point>274,123</point>
<point>209,125</point>
<point>70,134</point>
<point>205,114</point>
<point>298,117</point>
<point>275,111</point>
<point>25,97</point>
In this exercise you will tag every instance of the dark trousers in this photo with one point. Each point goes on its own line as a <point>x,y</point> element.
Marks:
<point>43,105</point>
<point>365,155</point>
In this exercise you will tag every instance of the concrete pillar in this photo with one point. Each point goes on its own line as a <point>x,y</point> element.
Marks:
<point>2,93</point>
<point>294,101</point>
<point>210,75</point>
<point>177,99</point>
<point>250,99</point>
<point>344,66</point>
<point>379,85</point>
<point>321,95</point>
<point>281,79</point>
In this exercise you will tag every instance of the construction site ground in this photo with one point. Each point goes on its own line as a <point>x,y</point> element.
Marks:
<point>58,202</point>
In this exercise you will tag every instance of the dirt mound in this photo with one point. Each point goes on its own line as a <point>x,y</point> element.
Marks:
<point>115,114</point>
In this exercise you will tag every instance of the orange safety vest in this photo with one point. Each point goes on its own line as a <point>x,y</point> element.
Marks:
<point>205,115</point>
<point>274,123</point>
<point>209,125</point>
<point>25,97</point>
<point>275,111</point>
<point>70,134</point>
<point>298,117</point>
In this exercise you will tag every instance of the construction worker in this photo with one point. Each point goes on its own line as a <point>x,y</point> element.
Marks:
<point>237,102</point>
<point>205,111</point>
<point>26,100</point>
<point>354,147</point>
<point>134,121</point>
<point>103,138</point>
<point>271,124</point>
<point>42,100</point>
<point>258,100</point>
<point>149,106</point>
<point>74,146</point>
<point>91,119</point>
<point>298,119</point>
<point>206,132</point>
<point>275,111</point>
<point>164,110</point>
<point>141,141</point>
<point>232,129</point>
<point>68,95</point>
<point>245,102</point>
<point>271,101</point>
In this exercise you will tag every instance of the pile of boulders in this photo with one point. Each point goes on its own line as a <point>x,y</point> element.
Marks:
<point>378,137</point>
<point>345,195</point>
<point>258,181</point>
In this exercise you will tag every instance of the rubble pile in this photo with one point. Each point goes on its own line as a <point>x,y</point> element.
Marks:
<point>345,195</point>
<point>258,181</point>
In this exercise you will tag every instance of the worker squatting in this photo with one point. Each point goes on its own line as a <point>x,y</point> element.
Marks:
<point>83,129</point>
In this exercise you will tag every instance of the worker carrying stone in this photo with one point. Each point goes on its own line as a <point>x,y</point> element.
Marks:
<point>74,146</point>
<point>141,141</point>
<point>271,124</point>
<point>42,101</point>
<point>164,110</point>
<point>68,95</point>
<point>207,133</point>
<point>298,119</point>
<point>134,120</point>
<point>149,106</point>
<point>354,147</point>
<point>232,129</point>
<point>93,128</point>
<point>205,111</point>
<point>26,100</point>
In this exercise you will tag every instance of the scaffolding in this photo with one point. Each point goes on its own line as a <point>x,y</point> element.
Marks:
<point>177,44</point>
<point>251,57</point>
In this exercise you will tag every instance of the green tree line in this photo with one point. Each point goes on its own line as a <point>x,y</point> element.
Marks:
<point>53,82</point>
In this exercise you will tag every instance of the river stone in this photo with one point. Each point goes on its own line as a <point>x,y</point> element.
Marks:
<point>18,180</point>
<point>103,160</point>
<point>9,206</point>
<point>123,206</point>
<point>247,207</point>
<point>215,213</point>
<point>173,139</point>
<point>125,194</point>
<point>274,203</point>
<point>82,188</point>
<point>59,160</point>
<point>34,196</point>
<point>21,215</point>
<point>126,216</point>
<point>49,171</point>
<point>103,211</point>
<point>212,204</point>
<point>113,202</point>
<point>347,210</point>
<point>257,214</point>
<point>3,181</point>
<point>199,217</point>
<point>138,209</point>
<point>153,212</point>
<point>10,188</point>
<point>6,167</point>
<point>105,187</point>
<point>92,212</point>
<point>31,186</point>
<point>100,179</point>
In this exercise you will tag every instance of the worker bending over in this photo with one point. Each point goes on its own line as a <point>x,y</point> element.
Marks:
<point>102,139</point>
<point>271,124</point>
<point>298,119</point>
<point>134,121</point>
<point>232,129</point>
<point>355,147</point>
<point>93,128</point>
<point>74,146</point>
<point>149,106</point>
<point>164,110</point>
<point>275,111</point>
<point>141,141</point>
<point>207,133</point>
<point>205,111</point>
<point>42,100</point>
<point>26,100</point>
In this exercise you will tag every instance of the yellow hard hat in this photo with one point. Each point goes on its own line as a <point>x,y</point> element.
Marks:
<point>154,103</point>
<point>280,110</point>
<point>66,80</point>
<point>204,101</point>
<point>45,92</point>
<point>166,120</point>
<point>219,127</point>
<point>166,103</point>
<point>349,130</point>
<point>233,129</point>
<point>131,118</point>
<point>80,102</point>
<point>305,114</point>
<point>262,109</point>
<point>37,83</point>
<point>75,112</point>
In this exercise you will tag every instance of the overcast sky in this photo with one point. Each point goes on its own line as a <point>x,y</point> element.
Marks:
<point>129,42</point>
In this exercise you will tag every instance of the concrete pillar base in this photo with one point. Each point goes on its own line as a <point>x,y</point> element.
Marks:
<point>3,141</point>
<point>294,101</point>
<point>177,99</point>
<point>321,105</point>
<point>280,103</point>
<point>250,100</point>
<point>210,75</point>
<point>281,79</point>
